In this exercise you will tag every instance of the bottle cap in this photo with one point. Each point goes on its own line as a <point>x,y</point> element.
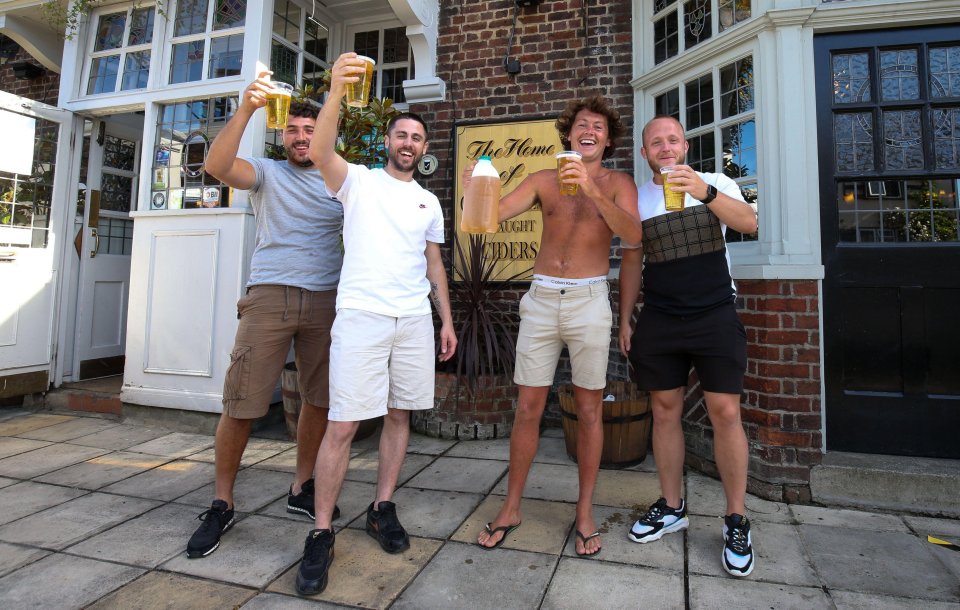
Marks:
<point>484,157</point>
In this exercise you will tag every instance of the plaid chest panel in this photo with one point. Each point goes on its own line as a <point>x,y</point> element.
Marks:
<point>677,235</point>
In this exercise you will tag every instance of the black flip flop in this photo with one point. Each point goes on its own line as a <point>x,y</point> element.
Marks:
<point>584,539</point>
<point>506,529</point>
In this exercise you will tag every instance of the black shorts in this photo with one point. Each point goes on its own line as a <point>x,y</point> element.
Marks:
<point>714,342</point>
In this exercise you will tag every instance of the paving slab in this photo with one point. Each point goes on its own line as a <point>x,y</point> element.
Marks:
<point>665,554</point>
<point>166,482</point>
<point>948,557</point>
<point>275,601</point>
<point>5,482</point>
<point>428,445</point>
<point>252,490</point>
<point>257,450</point>
<point>551,432</point>
<point>26,498</point>
<point>286,461</point>
<point>253,553</point>
<point>167,527</point>
<point>940,528</point>
<point>553,451</point>
<point>544,528</point>
<point>120,437</point>
<point>46,459</point>
<point>14,556</point>
<point>103,470</point>
<point>626,489</point>
<point>547,482</point>
<point>68,430</point>
<point>582,583</point>
<point>79,582</point>
<point>708,593</point>
<point>705,497</point>
<point>459,474</point>
<point>30,421</point>
<point>72,521</point>
<point>853,519</point>
<point>363,468</point>
<point>649,464</point>
<point>160,591</point>
<point>12,445</point>
<point>848,600</point>
<point>175,445</point>
<point>464,575</point>
<point>779,555</point>
<point>353,502</point>
<point>498,449</point>
<point>361,573</point>
<point>430,513</point>
<point>872,562</point>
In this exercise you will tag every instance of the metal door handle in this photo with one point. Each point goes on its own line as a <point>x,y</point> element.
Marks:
<point>96,243</point>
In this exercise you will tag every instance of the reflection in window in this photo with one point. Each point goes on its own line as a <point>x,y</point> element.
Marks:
<point>191,17</point>
<point>853,140</point>
<point>851,78</point>
<point>25,200</point>
<point>665,38</point>
<point>739,150</point>
<point>893,211</point>
<point>750,195</point>
<point>668,103</point>
<point>898,75</point>
<point>186,62</point>
<point>116,192</point>
<point>283,62</point>
<point>110,31</point>
<point>226,56</point>
<point>946,138</point>
<point>136,71</point>
<point>902,140</point>
<point>701,155</point>
<point>121,39</point>
<point>103,74</point>
<point>699,101</point>
<point>733,12</point>
<point>119,153</point>
<point>736,87</point>
<point>393,66</point>
<point>298,52</point>
<point>701,20</point>
<point>141,26</point>
<point>206,43</point>
<point>945,72</point>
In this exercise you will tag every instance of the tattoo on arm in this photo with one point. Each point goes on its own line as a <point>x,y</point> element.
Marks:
<point>435,295</point>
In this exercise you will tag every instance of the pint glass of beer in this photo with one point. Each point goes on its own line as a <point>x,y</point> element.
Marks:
<point>278,104</point>
<point>672,201</point>
<point>358,93</point>
<point>562,159</point>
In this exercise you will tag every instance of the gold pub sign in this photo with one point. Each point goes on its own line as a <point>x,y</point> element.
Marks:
<point>516,150</point>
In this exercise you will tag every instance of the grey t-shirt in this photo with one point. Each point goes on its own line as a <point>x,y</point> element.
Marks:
<point>298,227</point>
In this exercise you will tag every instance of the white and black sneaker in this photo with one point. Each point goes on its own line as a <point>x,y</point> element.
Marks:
<point>737,545</point>
<point>659,520</point>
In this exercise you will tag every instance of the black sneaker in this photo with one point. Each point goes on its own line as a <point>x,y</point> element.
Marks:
<point>303,502</point>
<point>383,525</point>
<point>206,539</point>
<point>737,545</point>
<point>317,557</point>
<point>659,520</point>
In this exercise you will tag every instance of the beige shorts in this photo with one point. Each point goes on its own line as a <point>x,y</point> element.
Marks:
<point>379,361</point>
<point>578,317</point>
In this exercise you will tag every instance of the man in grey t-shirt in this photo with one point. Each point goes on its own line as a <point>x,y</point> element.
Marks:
<point>291,296</point>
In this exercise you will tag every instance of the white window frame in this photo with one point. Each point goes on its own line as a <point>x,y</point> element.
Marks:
<point>676,7</point>
<point>122,50</point>
<point>297,46</point>
<point>207,36</point>
<point>379,27</point>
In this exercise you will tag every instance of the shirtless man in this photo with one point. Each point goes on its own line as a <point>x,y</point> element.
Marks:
<point>570,273</point>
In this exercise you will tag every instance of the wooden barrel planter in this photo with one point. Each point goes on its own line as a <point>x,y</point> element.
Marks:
<point>627,422</point>
<point>290,389</point>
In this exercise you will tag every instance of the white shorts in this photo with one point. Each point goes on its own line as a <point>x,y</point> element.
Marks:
<point>379,361</point>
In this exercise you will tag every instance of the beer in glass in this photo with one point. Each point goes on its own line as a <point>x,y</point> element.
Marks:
<point>562,159</point>
<point>358,93</point>
<point>671,200</point>
<point>278,105</point>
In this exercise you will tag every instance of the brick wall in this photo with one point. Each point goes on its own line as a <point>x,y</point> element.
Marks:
<point>780,408</point>
<point>45,88</point>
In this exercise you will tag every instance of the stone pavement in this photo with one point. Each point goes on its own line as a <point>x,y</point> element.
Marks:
<point>95,513</point>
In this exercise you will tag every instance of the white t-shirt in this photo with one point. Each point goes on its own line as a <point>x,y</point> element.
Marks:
<point>386,226</point>
<point>650,200</point>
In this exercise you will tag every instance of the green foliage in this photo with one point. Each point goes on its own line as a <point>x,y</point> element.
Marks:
<point>926,220</point>
<point>66,18</point>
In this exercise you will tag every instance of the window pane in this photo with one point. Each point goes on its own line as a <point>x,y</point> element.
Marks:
<point>141,26</point>
<point>851,78</point>
<point>659,5</point>
<point>366,43</point>
<point>230,14</point>
<point>733,12</point>
<point>946,138</point>
<point>315,41</point>
<point>226,56</point>
<point>665,38</point>
<point>136,70</point>
<point>740,150</point>
<point>750,195</point>
<point>312,74</point>
<point>700,156</point>
<point>393,84</point>
<point>668,104</point>
<point>945,72</point>
<point>697,25</point>
<point>103,74</point>
<point>286,20</point>
<point>395,45</point>
<point>186,62</point>
<point>283,62</point>
<point>110,31</point>
<point>116,192</point>
<point>699,101</point>
<point>898,75</point>
<point>191,18</point>
<point>902,140</point>
<point>736,87</point>
<point>853,135</point>
<point>119,153</point>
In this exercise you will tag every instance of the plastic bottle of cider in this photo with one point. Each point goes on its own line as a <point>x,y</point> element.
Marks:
<point>481,202</point>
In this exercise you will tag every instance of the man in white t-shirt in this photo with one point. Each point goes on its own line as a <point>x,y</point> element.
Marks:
<point>689,317</point>
<point>381,356</point>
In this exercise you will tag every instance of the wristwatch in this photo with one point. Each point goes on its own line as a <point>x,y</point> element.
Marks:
<point>711,194</point>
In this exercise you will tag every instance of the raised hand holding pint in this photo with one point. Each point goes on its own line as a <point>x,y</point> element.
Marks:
<point>278,104</point>
<point>358,93</point>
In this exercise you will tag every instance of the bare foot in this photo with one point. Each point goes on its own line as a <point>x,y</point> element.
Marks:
<point>492,535</point>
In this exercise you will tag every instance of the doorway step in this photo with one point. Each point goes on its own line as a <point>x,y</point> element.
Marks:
<point>925,486</point>
<point>91,395</point>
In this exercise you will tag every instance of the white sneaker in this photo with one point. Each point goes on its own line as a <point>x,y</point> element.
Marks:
<point>737,546</point>
<point>659,520</point>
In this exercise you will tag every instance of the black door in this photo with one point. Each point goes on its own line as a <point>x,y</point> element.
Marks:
<point>888,114</point>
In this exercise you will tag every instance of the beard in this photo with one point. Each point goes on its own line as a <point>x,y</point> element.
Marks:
<point>294,157</point>
<point>402,163</point>
<point>655,164</point>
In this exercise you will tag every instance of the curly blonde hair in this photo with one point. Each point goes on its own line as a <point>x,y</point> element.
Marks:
<point>596,104</point>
